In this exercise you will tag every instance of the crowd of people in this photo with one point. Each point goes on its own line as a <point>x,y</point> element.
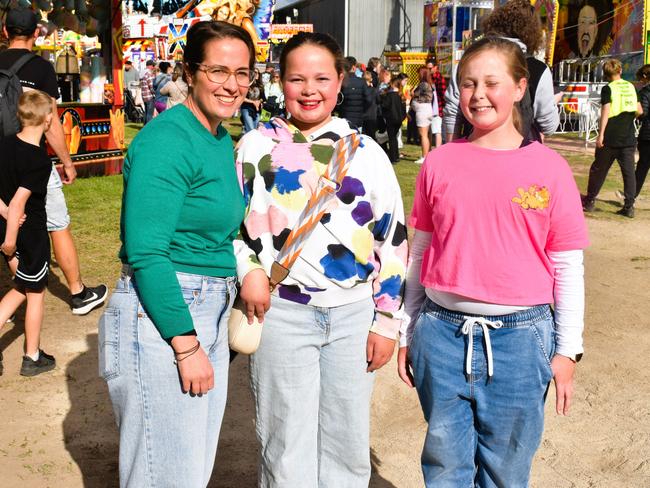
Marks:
<point>303,220</point>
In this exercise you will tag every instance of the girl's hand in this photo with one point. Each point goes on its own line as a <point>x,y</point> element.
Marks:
<point>195,371</point>
<point>404,366</point>
<point>379,350</point>
<point>8,249</point>
<point>21,220</point>
<point>256,294</point>
<point>563,369</point>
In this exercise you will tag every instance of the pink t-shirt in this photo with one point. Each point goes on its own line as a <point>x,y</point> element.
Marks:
<point>494,215</point>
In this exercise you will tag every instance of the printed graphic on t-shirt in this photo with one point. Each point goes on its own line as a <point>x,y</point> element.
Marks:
<point>535,197</point>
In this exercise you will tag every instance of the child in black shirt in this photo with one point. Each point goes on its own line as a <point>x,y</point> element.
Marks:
<point>24,173</point>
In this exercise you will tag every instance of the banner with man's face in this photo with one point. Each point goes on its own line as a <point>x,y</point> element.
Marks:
<point>598,27</point>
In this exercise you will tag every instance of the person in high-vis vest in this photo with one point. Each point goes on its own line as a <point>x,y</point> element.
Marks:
<point>616,140</point>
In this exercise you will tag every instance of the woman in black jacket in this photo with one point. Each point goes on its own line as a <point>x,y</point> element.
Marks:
<point>643,141</point>
<point>394,111</point>
<point>370,115</point>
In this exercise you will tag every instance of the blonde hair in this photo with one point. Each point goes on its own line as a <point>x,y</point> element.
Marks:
<point>33,107</point>
<point>367,76</point>
<point>612,67</point>
<point>515,63</point>
<point>238,9</point>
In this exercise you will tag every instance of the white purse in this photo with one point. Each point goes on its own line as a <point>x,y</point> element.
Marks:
<point>243,337</point>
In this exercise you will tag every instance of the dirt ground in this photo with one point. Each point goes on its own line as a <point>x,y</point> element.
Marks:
<point>58,429</point>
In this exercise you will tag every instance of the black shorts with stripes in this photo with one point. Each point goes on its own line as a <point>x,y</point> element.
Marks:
<point>33,253</point>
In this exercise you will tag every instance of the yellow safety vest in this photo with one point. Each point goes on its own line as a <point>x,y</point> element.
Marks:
<point>623,97</point>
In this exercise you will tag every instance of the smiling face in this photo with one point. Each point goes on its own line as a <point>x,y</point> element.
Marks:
<point>587,30</point>
<point>213,102</point>
<point>311,86</point>
<point>488,92</point>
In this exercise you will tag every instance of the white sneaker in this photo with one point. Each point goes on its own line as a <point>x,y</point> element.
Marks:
<point>419,161</point>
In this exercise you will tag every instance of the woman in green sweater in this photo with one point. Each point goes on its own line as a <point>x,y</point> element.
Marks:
<point>163,340</point>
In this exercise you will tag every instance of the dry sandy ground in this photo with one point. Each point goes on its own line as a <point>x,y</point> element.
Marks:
<point>58,430</point>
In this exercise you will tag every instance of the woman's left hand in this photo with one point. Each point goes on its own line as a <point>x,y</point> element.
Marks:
<point>379,350</point>
<point>563,369</point>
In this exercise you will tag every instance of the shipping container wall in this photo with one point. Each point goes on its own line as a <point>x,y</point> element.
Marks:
<point>373,24</point>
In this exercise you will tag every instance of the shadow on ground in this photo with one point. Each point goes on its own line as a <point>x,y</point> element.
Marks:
<point>89,430</point>
<point>91,434</point>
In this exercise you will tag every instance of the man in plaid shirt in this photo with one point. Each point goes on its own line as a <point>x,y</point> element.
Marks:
<point>439,83</point>
<point>146,85</point>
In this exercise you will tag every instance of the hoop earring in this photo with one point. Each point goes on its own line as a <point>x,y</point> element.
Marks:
<point>342,98</point>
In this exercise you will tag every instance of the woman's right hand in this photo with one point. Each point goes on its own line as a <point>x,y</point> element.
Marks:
<point>196,372</point>
<point>256,294</point>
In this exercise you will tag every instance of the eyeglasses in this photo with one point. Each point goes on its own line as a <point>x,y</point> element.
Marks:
<point>220,74</point>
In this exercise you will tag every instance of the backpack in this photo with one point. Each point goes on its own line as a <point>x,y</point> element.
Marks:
<point>535,70</point>
<point>10,91</point>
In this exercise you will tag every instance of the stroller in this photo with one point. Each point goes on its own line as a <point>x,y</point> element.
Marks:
<point>133,112</point>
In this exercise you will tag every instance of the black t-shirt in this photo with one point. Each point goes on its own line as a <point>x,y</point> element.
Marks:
<point>620,129</point>
<point>37,74</point>
<point>26,165</point>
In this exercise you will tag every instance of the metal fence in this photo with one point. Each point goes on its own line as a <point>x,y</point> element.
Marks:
<point>581,117</point>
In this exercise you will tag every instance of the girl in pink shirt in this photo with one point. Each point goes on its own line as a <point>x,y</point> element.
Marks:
<point>499,234</point>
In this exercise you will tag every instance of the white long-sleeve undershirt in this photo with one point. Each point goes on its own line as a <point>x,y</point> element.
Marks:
<point>568,293</point>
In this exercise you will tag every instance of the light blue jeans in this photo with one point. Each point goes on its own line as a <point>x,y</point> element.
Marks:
<point>481,433</point>
<point>167,438</point>
<point>250,118</point>
<point>312,395</point>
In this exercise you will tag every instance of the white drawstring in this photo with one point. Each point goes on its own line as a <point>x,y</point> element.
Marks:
<point>468,330</point>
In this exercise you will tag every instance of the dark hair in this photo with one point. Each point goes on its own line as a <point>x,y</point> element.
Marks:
<point>178,72</point>
<point>373,63</point>
<point>351,60</point>
<point>604,19</point>
<point>203,32</point>
<point>424,75</point>
<point>516,19</point>
<point>316,39</point>
<point>643,73</point>
<point>164,66</point>
<point>516,64</point>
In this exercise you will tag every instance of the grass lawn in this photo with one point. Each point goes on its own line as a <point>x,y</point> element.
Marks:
<point>94,204</point>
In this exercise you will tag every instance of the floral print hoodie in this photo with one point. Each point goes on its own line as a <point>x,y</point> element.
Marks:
<point>358,249</point>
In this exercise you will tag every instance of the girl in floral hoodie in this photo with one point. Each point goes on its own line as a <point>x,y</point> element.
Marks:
<point>335,318</point>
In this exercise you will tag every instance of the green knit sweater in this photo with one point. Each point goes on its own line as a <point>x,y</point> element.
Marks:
<point>181,209</point>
